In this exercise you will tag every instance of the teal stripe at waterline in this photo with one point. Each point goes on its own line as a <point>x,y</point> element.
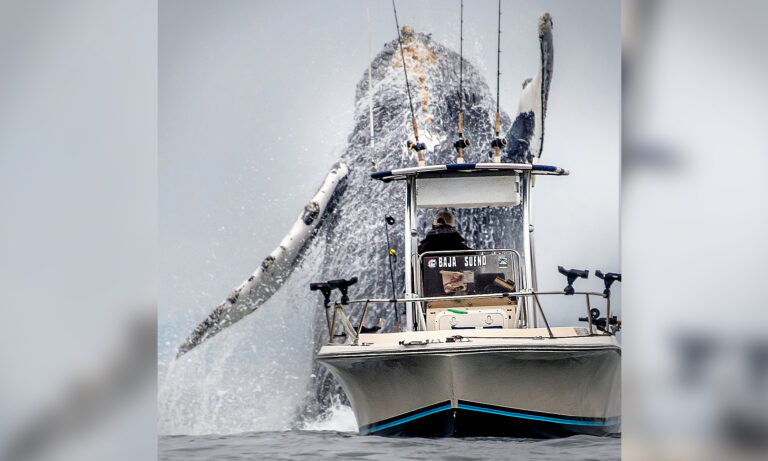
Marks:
<point>408,419</point>
<point>537,418</point>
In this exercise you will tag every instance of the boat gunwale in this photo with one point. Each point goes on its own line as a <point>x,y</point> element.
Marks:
<point>470,349</point>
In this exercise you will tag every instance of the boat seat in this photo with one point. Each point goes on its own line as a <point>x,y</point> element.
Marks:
<point>477,313</point>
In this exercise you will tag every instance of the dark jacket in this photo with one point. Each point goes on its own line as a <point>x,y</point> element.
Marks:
<point>442,238</point>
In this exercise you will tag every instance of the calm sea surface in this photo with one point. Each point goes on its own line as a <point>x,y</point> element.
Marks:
<point>319,445</point>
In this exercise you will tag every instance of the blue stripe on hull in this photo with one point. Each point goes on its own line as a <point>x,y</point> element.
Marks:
<point>513,414</point>
<point>441,420</point>
<point>376,427</point>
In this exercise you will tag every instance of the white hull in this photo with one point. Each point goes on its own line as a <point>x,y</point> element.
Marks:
<point>494,382</point>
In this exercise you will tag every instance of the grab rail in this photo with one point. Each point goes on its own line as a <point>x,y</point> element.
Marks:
<point>526,293</point>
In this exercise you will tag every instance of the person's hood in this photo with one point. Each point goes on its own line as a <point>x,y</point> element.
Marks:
<point>445,229</point>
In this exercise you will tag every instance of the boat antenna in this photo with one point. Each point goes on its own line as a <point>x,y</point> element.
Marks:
<point>370,93</point>
<point>416,146</point>
<point>499,142</point>
<point>462,142</point>
<point>392,255</point>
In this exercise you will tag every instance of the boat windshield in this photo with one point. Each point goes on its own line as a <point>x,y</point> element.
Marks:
<point>469,272</point>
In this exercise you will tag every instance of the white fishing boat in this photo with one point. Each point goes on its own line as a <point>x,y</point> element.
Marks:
<point>476,355</point>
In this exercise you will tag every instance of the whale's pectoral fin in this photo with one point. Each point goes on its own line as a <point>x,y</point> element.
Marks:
<point>526,137</point>
<point>275,268</point>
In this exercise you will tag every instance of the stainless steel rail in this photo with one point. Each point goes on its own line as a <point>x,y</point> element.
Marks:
<point>483,296</point>
<point>526,294</point>
<point>354,333</point>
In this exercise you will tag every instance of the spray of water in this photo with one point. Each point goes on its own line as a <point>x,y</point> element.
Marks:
<point>251,378</point>
<point>339,417</point>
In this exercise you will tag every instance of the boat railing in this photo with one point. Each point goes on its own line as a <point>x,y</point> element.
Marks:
<point>609,326</point>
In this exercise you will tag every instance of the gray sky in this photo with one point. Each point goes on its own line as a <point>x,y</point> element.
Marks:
<point>256,102</point>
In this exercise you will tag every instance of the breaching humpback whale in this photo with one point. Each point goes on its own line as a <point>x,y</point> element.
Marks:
<point>347,212</point>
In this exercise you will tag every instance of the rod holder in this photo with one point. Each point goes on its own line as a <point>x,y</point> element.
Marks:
<point>343,285</point>
<point>571,275</point>
<point>338,284</point>
<point>608,278</point>
<point>325,289</point>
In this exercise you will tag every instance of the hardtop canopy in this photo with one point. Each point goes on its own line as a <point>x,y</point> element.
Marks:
<point>469,169</point>
<point>467,185</point>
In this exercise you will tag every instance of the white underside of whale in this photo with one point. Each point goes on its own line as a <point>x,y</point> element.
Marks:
<point>274,269</point>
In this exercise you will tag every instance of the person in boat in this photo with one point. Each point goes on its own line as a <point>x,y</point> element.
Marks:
<point>443,236</point>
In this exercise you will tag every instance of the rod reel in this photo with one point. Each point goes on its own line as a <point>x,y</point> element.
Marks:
<point>571,275</point>
<point>603,323</point>
<point>417,147</point>
<point>594,314</point>
<point>460,145</point>
<point>497,144</point>
<point>463,142</point>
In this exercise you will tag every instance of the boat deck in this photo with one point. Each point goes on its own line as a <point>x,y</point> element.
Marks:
<point>469,340</point>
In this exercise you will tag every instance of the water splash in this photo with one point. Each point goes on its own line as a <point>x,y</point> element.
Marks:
<point>338,418</point>
<point>252,377</point>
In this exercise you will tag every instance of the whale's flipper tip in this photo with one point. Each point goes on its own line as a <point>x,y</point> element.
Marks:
<point>526,136</point>
<point>545,24</point>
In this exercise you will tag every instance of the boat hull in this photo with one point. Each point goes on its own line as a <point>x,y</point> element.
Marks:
<point>489,387</point>
<point>472,419</point>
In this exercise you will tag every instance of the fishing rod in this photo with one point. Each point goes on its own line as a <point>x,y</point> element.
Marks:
<point>462,143</point>
<point>370,95</point>
<point>416,146</point>
<point>392,254</point>
<point>499,142</point>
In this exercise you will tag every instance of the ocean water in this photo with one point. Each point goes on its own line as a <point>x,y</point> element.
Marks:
<point>321,445</point>
<point>336,437</point>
